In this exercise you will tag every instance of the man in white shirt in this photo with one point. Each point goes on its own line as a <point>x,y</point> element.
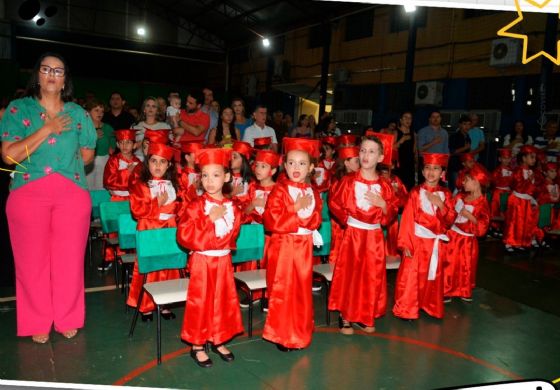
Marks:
<point>259,129</point>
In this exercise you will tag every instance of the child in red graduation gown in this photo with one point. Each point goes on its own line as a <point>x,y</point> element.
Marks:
<point>154,204</point>
<point>265,167</point>
<point>467,161</point>
<point>391,241</point>
<point>209,228</point>
<point>522,214</point>
<point>325,167</point>
<point>118,170</point>
<point>292,216</point>
<point>362,202</point>
<point>501,182</point>
<point>348,161</point>
<point>473,218</point>
<point>241,172</point>
<point>120,166</point>
<point>189,178</point>
<point>427,216</point>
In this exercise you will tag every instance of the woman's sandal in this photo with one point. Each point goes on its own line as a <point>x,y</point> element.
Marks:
<point>40,338</point>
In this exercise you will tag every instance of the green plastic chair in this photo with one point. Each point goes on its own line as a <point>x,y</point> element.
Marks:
<point>250,246</point>
<point>157,250</point>
<point>545,215</point>
<point>127,231</point>
<point>109,213</point>
<point>325,215</point>
<point>503,201</point>
<point>127,241</point>
<point>98,197</point>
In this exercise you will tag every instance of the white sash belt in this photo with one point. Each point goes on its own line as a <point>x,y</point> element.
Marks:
<point>455,228</point>
<point>526,197</point>
<point>215,252</point>
<point>423,232</point>
<point>362,225</point>
<point>165,216</point>
<point>317,239</point>
<point>503,188</point>
<point>119,193</point>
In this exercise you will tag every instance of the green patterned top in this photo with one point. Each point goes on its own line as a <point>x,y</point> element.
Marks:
<point>58,153</point>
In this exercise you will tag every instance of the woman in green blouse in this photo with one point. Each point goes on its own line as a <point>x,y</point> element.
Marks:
<point>49,207</point>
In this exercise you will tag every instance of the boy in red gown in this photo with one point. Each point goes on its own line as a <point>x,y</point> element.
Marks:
<point>363,201</point>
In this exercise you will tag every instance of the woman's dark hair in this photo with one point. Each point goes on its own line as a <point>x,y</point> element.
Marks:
<point>170,174</point>
<point>301,118</point>
<point>93,103</point>
<point>220,127</point>
<point>513,134</point>
<point>246,171</point>
<point>33,87</point>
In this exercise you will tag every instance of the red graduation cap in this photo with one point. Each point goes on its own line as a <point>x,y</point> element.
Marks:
<point>161,150</point>
<point>125,134</point>
<point>348,152</point>
<point>157,136</point>
<point>311,146</point>
<point>243,148</point>
<point>268,157</point>
<point>440,159</point>
<point>219,156</point>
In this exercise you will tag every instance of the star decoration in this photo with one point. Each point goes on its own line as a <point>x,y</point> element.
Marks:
<point>504,32</point>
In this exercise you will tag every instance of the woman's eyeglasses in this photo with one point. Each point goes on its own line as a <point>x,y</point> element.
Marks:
<point>58,72</point>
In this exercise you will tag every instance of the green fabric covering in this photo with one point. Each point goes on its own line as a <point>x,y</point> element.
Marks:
<point>157,249</point>
<point>109,213</point>
<point>325,231</point>
<point>97,197</point>
<point>127,231</point>
<point>545,211</point>
<point>250,244</point>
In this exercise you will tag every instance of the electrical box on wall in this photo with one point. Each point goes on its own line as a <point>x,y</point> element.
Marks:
<point>505,52</point>
<point>429,93</point>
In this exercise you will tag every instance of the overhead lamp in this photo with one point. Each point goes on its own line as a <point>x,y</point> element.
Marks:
<point>141,31</point>
<point>408,8</point>
<point>266,42</point>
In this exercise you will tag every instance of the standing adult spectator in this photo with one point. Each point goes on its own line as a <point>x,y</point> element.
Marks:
<point>259,129</point>
<point>517,138</point>
<point>406,146</point>
<point>193,123</point>
<point>225,133</point>
<point>302,130</point>
<point>433,138</point>
<point>149,119</point>
<point>49,206</point>
<point>279,126</point>
<point>207,108</point>
<point>241,121</point>
<point>104,146</point>
<point>117,117</point>
<point>459,144</point>
<point>476,134</point>
<point>327,127</point>
<point>549,140</point>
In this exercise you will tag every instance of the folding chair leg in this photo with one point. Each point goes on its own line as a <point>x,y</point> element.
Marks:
<point>250,314</point>
<point>116,266</point>
<point>137,311</point>
<point>103,247</point>
<point>158,334</point>
<point>327,288</point>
